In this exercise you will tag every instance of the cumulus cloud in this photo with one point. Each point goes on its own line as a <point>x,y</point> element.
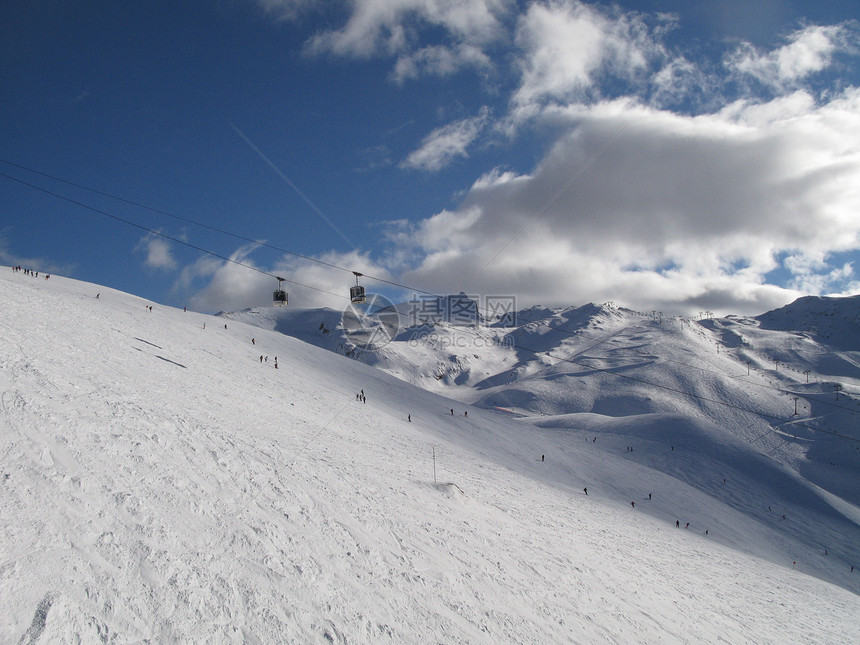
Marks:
<point>808,51</point>
<point>648,207</point>
<point>567,46</point>
<point>241,283</point>
<point>391,26</point>
<point>812,273</point>
<point>158,253</point>
<point>665,182</point>
<point>446,143</point>
<point>440,60</point>
<point>227,286</point>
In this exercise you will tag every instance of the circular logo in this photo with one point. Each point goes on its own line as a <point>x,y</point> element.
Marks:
<point>371,324</point>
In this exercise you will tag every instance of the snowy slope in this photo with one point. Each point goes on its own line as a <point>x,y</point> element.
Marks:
<point>756,381</point>
<point>160,483</point>
<point>835,321</point>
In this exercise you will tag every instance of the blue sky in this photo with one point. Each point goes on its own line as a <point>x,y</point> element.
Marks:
<point>667,156</point>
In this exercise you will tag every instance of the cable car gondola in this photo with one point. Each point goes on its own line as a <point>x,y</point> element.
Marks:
<point>357,293</point>
<point>279,296</point>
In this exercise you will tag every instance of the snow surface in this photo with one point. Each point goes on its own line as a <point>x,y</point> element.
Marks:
<point>160,483</point>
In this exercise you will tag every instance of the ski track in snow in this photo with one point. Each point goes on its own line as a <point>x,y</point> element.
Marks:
<point>160,484</point>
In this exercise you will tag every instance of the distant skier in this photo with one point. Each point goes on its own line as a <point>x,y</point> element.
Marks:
<point>97,296</point>
<point>466,413</point>
<point>542,457</point>
<point>452,412</point>
<point>677,524</point>
<point>585,490</point>
<point>649,495</point>
<point>253,341</point>
<point>409,418</point>
<point>633,504</point>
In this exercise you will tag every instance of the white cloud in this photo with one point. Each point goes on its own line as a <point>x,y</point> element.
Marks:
<point>680,80</point>
<point>241,283</point>
<point>8,257</point>
<point>565,46</point>
<point>809,50</point>
<point>158,253</point>
<point>391,26</point>
<point>648,207</point>
<point>439,60</point>
<point>631,201</point>
<point>812,273</point>
<point>447,143</point>
<point>229,286</point>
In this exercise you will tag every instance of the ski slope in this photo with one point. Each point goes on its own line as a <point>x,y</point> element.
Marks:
<point>160,483</point>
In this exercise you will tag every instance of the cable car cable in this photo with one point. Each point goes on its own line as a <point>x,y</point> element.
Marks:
<point>164,235</point>
<point>206,226</point>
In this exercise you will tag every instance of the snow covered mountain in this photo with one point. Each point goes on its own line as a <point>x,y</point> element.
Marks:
<point>161,483</point>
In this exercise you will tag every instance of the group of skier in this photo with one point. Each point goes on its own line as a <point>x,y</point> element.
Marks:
<point>30,272</point>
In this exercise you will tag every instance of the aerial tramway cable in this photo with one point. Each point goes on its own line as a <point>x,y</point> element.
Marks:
<point>163,235</point>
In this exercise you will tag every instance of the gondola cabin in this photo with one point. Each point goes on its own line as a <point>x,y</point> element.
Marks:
<point>357,293</point>
<point>279,296</point>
